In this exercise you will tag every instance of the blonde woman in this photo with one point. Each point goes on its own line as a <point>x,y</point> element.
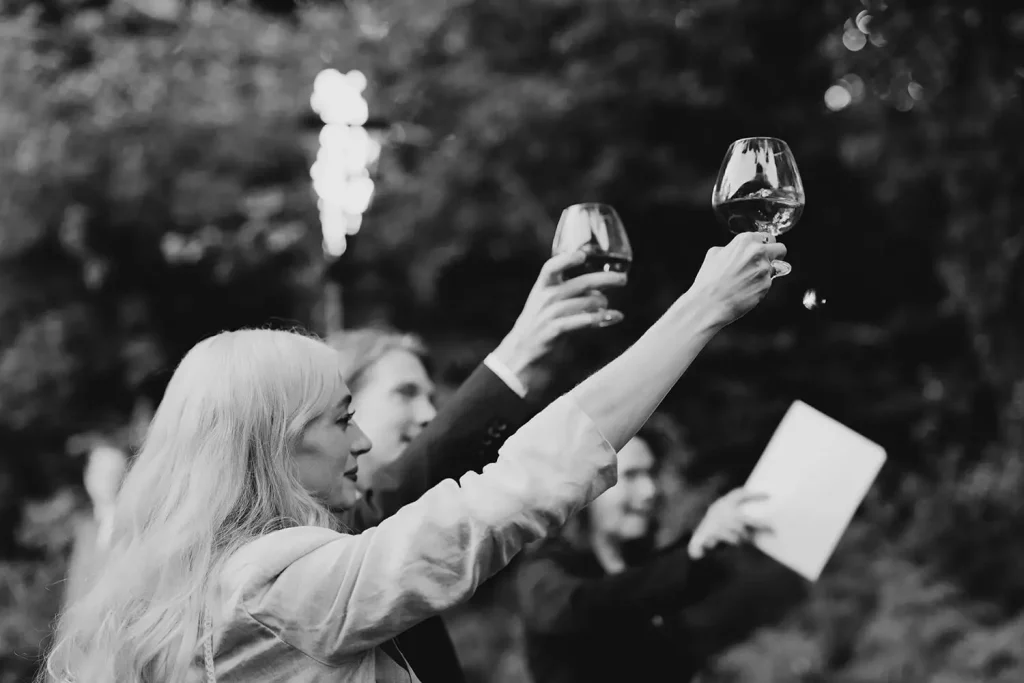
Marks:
<point>415,447</point>
<point>224,564</point>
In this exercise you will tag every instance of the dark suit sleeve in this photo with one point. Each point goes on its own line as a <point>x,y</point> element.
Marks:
<point>465,435</point>
<point>555,601</point>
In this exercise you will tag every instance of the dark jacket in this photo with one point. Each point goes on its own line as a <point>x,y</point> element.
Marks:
<point>465,435</point>
<point>662,619</point>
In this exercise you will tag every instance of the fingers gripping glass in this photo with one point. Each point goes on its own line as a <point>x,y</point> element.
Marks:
<point>597,231</point>
<point>759,190</point>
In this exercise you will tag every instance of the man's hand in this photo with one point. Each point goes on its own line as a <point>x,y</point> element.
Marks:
<point>553,310</point>
<point>727,522</point>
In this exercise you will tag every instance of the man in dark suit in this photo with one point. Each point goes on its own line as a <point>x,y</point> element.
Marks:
<point>503,393</point>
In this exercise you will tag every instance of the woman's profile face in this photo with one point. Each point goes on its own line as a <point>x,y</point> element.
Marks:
<point>327,455</point>
<point>395,403</point>
<point>625,511</point>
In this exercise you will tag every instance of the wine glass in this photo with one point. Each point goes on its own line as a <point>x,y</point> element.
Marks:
<point>759,190</point>
<point>597,230</point>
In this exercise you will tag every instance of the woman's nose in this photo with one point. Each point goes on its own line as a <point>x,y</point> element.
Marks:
<point>361,444</point>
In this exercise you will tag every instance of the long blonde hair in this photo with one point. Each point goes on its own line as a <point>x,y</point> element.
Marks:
<point>214,473</point>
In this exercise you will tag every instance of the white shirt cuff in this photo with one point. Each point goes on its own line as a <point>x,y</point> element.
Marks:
<point>506,375</point>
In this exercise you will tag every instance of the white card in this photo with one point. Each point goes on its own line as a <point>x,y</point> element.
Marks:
<point>816,472</point>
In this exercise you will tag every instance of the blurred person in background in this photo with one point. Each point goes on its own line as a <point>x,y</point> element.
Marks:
<point>603,603</point>
<point>105,468</point>
<point>225,561</point>
<point>103,476</point>
<point>107,459</point>
<point>415,447</point>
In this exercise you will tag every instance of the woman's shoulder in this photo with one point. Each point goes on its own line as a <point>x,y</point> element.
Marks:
<point>266,556</point>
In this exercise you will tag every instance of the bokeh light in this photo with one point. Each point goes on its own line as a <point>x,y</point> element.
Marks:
<point>340,174</point>
<point>838,97</point>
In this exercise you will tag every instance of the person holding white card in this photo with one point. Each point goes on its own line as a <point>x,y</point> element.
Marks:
<point>602,604</point>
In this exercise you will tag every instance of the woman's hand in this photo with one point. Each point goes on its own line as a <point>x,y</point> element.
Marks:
<point>734,278</point>
<point>620,397</point>
<point>727,522</point>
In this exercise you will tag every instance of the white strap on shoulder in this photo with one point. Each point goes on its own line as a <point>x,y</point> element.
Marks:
<point>208,646</point>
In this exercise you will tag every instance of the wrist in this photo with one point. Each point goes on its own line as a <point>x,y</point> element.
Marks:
<point>700,312</point>
<point>509,356</point>
<point>508,365</point>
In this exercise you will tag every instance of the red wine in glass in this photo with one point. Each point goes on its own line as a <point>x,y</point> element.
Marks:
<point>596,230</point>
<point>599,261</point>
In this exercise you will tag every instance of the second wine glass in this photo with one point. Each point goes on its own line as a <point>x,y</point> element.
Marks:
<point>596,230</point>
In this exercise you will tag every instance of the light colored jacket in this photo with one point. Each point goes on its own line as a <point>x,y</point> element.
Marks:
<point>309,605</point>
